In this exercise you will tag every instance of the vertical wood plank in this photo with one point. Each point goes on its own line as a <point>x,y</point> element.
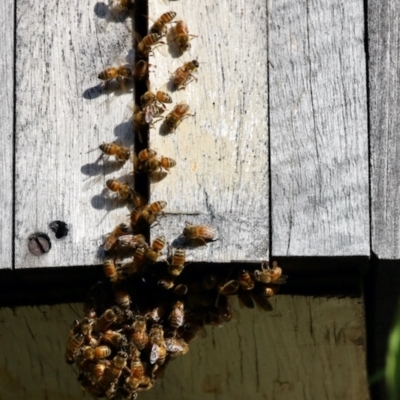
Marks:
<point>7,131</point>
<point>32,353</point>
<point>222,152</point>
<point>319,132</point>
<point>384,101</point>
<point>62,115</point>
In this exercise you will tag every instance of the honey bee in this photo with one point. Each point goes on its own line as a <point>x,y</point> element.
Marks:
<point>148,215</point>
<point>200,233</point>
<point>176,317</point>
<point>141,70</point>
<point>113,371</point>
<point>165,284</point>
<point>74,343</point>
<point>144,47</point>
<point>111,240</point>
<point>270,275</point>
<point>139,120</point>
<point>159,97</point>
<point>176,347</point>
<point>147,161</point>
<point>178,262</point>
<point>158,351</point>
<point>110,270</point>
<point>120,153</point>
<point>138,257</point>
<point>137,376</point>
<point>116,339</point>
<point>122,298</point>
<point>229,288</point>
<point>184,74</point>
<point>175,117</point>
<point>154,251</point>
<point>271,290</point>
<point>151,112</point>
<point>123,190</point>
<point>137,199</point>
<point>245,280</point>
<point>181,289</point>
<point>106,319</point>
<point>155,314</point>
<point>99,368</point>
<point>121,6</point>
<point>132,241</point>
<point>146,154</point>
<point>182,36</point>
<point>86,326</point>
<point>159,25</point>
<point>156,330</point>
<point>120,73</point>
<point>139,336</point>
<point>97,353</point>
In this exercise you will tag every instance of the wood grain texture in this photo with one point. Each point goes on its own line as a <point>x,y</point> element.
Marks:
<point>318,125</point>
<point>222,151</point>
<point>62,116</point>
<point>32,362</point>
<point>384,102</point>
<point>6,129</point>
<point>278,355</point>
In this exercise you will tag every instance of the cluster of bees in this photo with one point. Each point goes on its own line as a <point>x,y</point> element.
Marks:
<point>152,305</point>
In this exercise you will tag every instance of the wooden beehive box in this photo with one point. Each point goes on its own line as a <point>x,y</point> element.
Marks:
<point>291,153</point>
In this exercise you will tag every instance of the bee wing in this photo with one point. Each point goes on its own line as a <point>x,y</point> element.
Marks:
<point>280,281</point>
<point>172,346</point>
<point>154,354</point>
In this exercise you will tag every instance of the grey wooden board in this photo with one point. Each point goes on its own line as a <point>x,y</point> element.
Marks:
<point>307,348</point>
<point>384,101</point>
<point>61,114</point>
<point>6,129</point>
<point>221,152</point>
<point>318,128</point>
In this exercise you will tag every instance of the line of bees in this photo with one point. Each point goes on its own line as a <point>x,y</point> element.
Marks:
<point>151,305</point>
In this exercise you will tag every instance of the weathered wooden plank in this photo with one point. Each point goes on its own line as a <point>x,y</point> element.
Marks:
<point>6,128</point>
<point>284,354</point>
<point>32,353</point>
<point>221,152</point>
<point>318,124</point>
<point>61,115</point>
<point>384,101</point>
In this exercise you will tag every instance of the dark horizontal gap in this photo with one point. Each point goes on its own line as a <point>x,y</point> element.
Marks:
<point>324,276</point>
<point>339,276</point>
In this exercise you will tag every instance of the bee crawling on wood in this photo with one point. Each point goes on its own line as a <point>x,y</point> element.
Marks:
<point>182,37</point>
<point>175,117</point>
<point>145,46</point>
<point>160,25</point>
<point>120,73</point>
<point>146,161</point>
<point>201,234</point>
<point>121,154</point>
<point>184,75</point>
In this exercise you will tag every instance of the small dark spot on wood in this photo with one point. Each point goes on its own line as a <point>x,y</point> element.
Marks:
<point>60,228</point>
